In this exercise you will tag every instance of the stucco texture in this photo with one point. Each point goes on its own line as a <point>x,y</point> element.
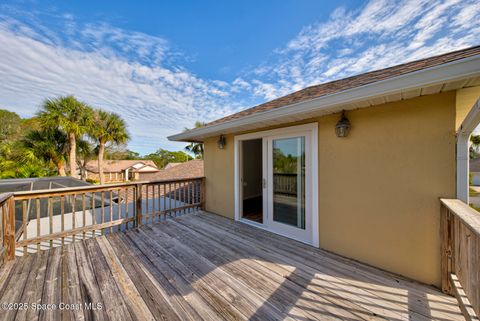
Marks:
<point>379,188</point>
<point>219,177</point>
<point>465,99</point>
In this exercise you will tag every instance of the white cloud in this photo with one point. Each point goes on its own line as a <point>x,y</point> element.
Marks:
<point>380,34</point>
<point>156,101</point>
<point>141,77</point>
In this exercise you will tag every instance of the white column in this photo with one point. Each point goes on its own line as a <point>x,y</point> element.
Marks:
<point>470,122</point>
<point>463,165</point>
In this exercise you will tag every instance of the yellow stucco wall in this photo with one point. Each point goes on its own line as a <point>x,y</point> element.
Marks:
<point>378,188</point>
<point>465,99</point>
<point>219,177</point>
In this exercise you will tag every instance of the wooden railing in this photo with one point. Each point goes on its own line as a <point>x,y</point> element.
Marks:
<point>460,249</point>
<point>7,221</point>
<point>48,218</point>
<point>285,183</point>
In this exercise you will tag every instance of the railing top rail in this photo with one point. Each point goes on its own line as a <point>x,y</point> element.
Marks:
<point>465,213</point>
<point>5,196</point>
<point>93,188</point>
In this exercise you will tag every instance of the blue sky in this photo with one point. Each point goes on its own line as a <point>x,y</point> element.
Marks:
<point>163,65</point>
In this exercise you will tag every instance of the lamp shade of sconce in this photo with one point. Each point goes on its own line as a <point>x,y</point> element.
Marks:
<point>342,128</point>
<point>221,142</point>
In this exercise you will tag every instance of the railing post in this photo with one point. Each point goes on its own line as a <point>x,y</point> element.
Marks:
<point>202,194</point>
<point>446,230</point>
<point>9,229</point>
<point>138,205</point>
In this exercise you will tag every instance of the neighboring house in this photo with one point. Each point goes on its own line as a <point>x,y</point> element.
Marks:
<point>372,195</point>
<point>475,171</point>
<point>190,169</point>
<point>121,170</point>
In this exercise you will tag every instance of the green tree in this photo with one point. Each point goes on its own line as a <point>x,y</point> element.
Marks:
<point>119,151</point>
<point>475,144</point>
<point>15,162</point>
<point>71,116</point>
<point>28,170</point>
<point>10,125</point>
<point>196,148</point>
<point>7,163</point>
<point>107,128</point>
<point>162,157</point>
<point>50,145</point>
<point>85,152</point>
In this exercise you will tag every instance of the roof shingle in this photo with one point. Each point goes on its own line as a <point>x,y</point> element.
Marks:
<point>190,169</point>
<point>351,82</point>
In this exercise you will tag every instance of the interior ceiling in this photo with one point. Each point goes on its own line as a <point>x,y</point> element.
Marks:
<point>403,95</point>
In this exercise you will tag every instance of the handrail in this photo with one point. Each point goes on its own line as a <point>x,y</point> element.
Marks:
<point>4,197</point>
<point>70,190</point>
<point>469,216</point>
<point>48,218</point>
<point>460,254</point>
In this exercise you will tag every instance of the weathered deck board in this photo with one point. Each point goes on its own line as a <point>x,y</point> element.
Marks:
<point>390,287</point>
<point>204,267</point>
<point>32,293</point>
<point>262,279</point>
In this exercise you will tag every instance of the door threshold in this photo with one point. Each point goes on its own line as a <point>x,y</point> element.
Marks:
<point>265,227</point>
<point>253,223</point>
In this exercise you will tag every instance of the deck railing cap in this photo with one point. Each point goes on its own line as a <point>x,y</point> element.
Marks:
<point>469,216</point>
<point>100,187</point>
<point>5,196</point>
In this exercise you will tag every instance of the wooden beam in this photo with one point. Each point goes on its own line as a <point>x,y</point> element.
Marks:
<point>78,230</point>
<point>445,248</point>
<point>138,205</point>
<point>9,228</point>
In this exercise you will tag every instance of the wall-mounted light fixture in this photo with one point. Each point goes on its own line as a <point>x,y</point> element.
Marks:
<point>221,142</point>
<point>343,126</point>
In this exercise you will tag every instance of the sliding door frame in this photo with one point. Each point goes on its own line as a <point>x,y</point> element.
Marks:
<point>312,188</point>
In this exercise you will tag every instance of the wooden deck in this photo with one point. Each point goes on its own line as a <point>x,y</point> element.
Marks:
<point>206,267</point>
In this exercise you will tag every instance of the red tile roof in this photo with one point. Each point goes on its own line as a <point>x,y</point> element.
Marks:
<point>190,169</point>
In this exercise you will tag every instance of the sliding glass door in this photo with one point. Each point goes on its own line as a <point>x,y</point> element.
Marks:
<point>276,181</point>
<point>288,167</point>
<point>288,159</point>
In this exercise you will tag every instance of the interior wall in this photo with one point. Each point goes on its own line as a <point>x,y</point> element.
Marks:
<point>252,168</point>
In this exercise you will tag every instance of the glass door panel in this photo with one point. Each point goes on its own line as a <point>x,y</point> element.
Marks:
<point>288,162</point>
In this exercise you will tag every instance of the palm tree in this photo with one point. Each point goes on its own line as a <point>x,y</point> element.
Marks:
<point>50,145</point>
<point>30,170</point>
<point>107,127</point>
<point>196,148</point>
<point>86,152</point>
<point>72,117</point>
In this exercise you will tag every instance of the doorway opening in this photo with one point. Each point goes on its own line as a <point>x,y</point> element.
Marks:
<point>276,181</point>
<point>252,180</point>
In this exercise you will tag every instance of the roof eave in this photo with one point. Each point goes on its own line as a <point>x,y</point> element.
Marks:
<point>451,71</point>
